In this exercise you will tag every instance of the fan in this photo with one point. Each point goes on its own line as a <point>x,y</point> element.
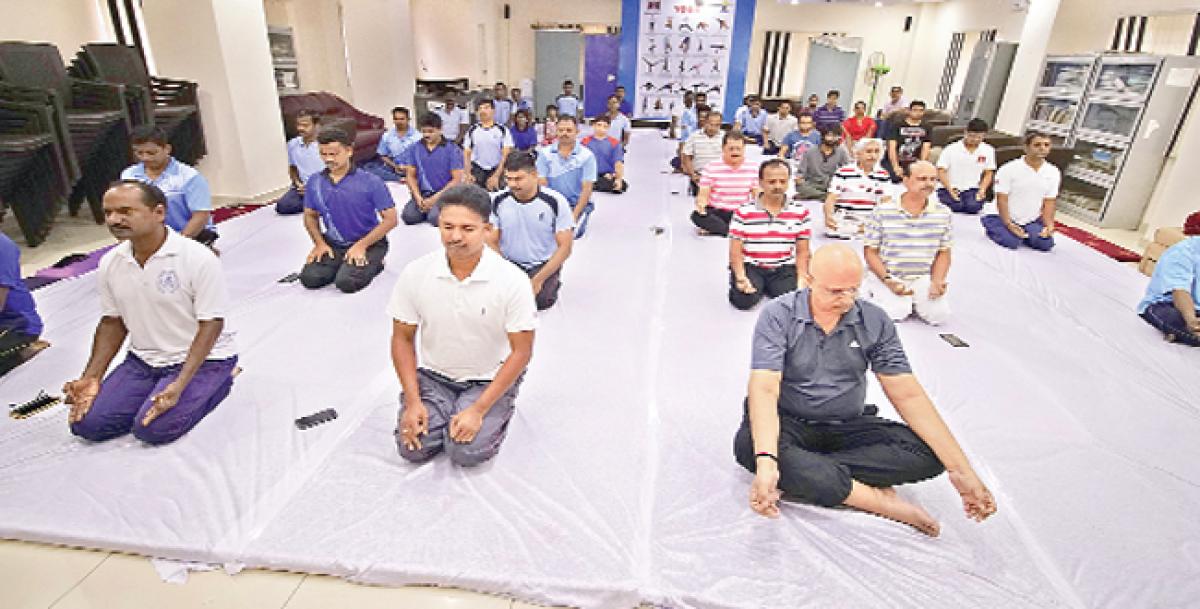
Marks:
<point>876,68</point>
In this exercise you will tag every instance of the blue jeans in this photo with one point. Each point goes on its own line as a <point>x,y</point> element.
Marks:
<point>1168,320</point>
<point>291,203</point>
<point>967,203</point>
<point>999,233</point>
<point>381,169</point>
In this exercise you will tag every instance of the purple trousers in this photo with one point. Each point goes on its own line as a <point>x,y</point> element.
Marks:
<point>126,393</point>
<point>999,233</point>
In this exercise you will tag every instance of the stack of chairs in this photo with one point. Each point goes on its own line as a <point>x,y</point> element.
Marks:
<point>90,119</point>
<point>36,170</point>
<point>170,104</point>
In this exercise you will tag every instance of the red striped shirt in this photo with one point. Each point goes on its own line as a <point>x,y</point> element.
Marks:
<point>857,190</point>
<point>769,241</point>
<point>730,187</point>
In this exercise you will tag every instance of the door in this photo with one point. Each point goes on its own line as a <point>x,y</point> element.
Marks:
<point>833,64</point>
<point>601,60</point>
<point>558,56</point>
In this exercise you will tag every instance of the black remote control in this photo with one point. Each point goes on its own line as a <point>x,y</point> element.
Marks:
<point>316,418</point>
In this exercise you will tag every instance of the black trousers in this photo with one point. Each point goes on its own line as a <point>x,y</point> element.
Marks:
<point>1168,320</point>
<point>604,183</point>
<point>12,344</point>
<point>549,294</point>
<point>347,277</point>
<point>817,461</point>
<point>481,176</point>
<point>716,221</point>
<point>767,282</point>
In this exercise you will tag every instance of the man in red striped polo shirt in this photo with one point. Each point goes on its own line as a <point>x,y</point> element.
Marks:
<point>725,185</point>
<point>768,241</point>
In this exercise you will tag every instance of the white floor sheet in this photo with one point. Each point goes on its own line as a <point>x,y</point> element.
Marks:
<point>617,482</point>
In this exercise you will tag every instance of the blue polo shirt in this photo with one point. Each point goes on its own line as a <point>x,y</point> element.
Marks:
<point>19,313</point>
<point>524,140</point>
<point>434,166</point>
<point>824,375</point>
<point>568,105</point>
<point>306,158</point>
<point>828,117</point>
<point>187,191</point>
<point>504,110</point>
<point>1177,269</point>
<point>349,209</point>
<point>608,153</point>
<point>567,175</point>
<point>394,146</point>
<point>751,123</point>
<point>528,228</point>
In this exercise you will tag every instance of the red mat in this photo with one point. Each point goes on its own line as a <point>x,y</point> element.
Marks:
<point>1107,248</point>
<point>222,214</point>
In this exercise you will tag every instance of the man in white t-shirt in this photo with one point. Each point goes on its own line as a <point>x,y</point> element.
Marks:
<point>1026,189</point>
<point>167,294</point>
<point>454,120</point>
<point>476,317</point>
<point>485,148</point>
<point>965,170</point>
<point>779,125</point>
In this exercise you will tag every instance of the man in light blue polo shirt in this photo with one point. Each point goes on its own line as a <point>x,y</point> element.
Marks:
<point>751,120</point>
<point>356,211</point>
<point>393,147</point>
<point>304,160</point>
<point>431,166</point>
<point>610,157</point>
<point>569,168</point>
<point>485,147</point>
<point>568,104</point>
<point>189,201</point>
<point>533,227</point>
<point>503,105</point>
<point>519,102</point>
<point>1172,301</point>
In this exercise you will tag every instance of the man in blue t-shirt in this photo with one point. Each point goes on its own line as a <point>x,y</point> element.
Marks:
<point>432,165</point>
<point>393,147</point>
<point>567,103</point>
<point>189,200</point>
<point>610,157</point>
<point>569,168</point>
<point>304,160</point>
<point>533,227</point>
<point>356,212</point>
<point>20,324</point>
<point>1172,301</point>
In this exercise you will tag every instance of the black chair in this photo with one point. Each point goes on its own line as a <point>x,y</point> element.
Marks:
<point>94,114</point>
<point>170,104</point>
<point>31,170</point>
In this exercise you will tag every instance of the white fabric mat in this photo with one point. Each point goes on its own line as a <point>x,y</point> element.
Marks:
<point>617,482</point>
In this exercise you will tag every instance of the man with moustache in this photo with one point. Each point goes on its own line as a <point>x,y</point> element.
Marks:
<point>473,355</point>
<point>166,293</point>
<point>726,184</point>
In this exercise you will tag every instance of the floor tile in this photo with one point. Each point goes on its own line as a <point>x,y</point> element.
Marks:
<point>130,582</point>
<point>32,576</point>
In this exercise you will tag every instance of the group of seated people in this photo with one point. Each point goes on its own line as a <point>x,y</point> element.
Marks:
<point>508,225</point>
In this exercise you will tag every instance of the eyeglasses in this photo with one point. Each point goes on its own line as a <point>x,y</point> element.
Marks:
<point>838,292</point>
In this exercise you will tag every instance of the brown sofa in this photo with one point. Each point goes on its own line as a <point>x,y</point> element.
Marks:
<point>365,129</point>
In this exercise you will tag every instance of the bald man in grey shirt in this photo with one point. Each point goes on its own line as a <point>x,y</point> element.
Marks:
<point>807,433</point>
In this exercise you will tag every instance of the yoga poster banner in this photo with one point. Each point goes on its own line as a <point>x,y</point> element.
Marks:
<point>683,45</point>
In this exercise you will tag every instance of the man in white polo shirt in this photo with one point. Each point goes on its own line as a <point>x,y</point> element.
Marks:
<point>726,185</point>
<point>532,227</point>
<point>965,169</point>
<point>1026,189</point>
<point>476,317</point>
<point>167,294</point>
<point>907,249</point>
<point>454,119</point>
<point>485,147</point>
<point>702,147</point>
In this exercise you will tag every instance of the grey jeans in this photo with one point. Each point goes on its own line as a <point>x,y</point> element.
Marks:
<point>444,398</point>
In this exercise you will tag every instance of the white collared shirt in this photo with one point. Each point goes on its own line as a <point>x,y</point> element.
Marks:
<point>463,326</point>
<point>1027,189</point>
<point>163,302</point>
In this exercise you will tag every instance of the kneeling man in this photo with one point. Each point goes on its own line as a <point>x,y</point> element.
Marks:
<point>167,294</point>
<point>476,317</point>
<point>807,433</point>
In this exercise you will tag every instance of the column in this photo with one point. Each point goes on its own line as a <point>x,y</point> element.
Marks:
<point>1026,69</point>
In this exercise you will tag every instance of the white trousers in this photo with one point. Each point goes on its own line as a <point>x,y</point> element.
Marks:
<point>933,310</point>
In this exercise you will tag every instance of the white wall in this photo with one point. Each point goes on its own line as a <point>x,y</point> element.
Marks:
<point>320,47</point>
<point>379,56</point>
<point>68,24</point>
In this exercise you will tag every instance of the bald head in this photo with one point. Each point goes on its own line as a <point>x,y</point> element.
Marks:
<point>836,263</point>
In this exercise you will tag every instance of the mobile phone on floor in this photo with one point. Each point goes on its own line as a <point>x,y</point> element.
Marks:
<point>954,340</point>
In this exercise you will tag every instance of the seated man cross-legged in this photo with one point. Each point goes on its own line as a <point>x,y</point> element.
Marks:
<point>1172,301</point>
<point>1026,190</point>
<point>907,248</point>
<point>532,227</point>
<point>610,157</point>
<point>725,185</point>
<point>965,170</point>
<point>768,241</point>
<point>356,211</point>
<point>167,294</point>
<point>459,393</point>
<point>816,168</point>
<point>807,434</point>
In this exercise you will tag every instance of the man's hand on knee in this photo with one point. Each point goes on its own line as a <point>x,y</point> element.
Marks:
<point>414,423</point>
<point>764,491</point>
<point>164,401</point>
<point>81,394</point>
<point>465,425</point>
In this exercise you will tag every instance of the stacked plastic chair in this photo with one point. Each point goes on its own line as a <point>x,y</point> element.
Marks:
<point>168,103</point>
<point>91,114</point>
<point>35,178</point>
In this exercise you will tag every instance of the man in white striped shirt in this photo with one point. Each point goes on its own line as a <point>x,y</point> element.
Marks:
<point>855,190</point>
<point>907,248</point>
<point>725,185</point>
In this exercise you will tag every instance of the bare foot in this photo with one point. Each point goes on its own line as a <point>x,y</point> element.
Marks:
<point>236,371</point>
<point>895,508</point>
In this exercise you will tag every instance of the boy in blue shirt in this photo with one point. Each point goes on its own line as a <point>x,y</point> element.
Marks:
<point>189,200</point>
<point>610,157</point>
<point>20,324</point>
<point>1172,301</point>
<point>356,211</point>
